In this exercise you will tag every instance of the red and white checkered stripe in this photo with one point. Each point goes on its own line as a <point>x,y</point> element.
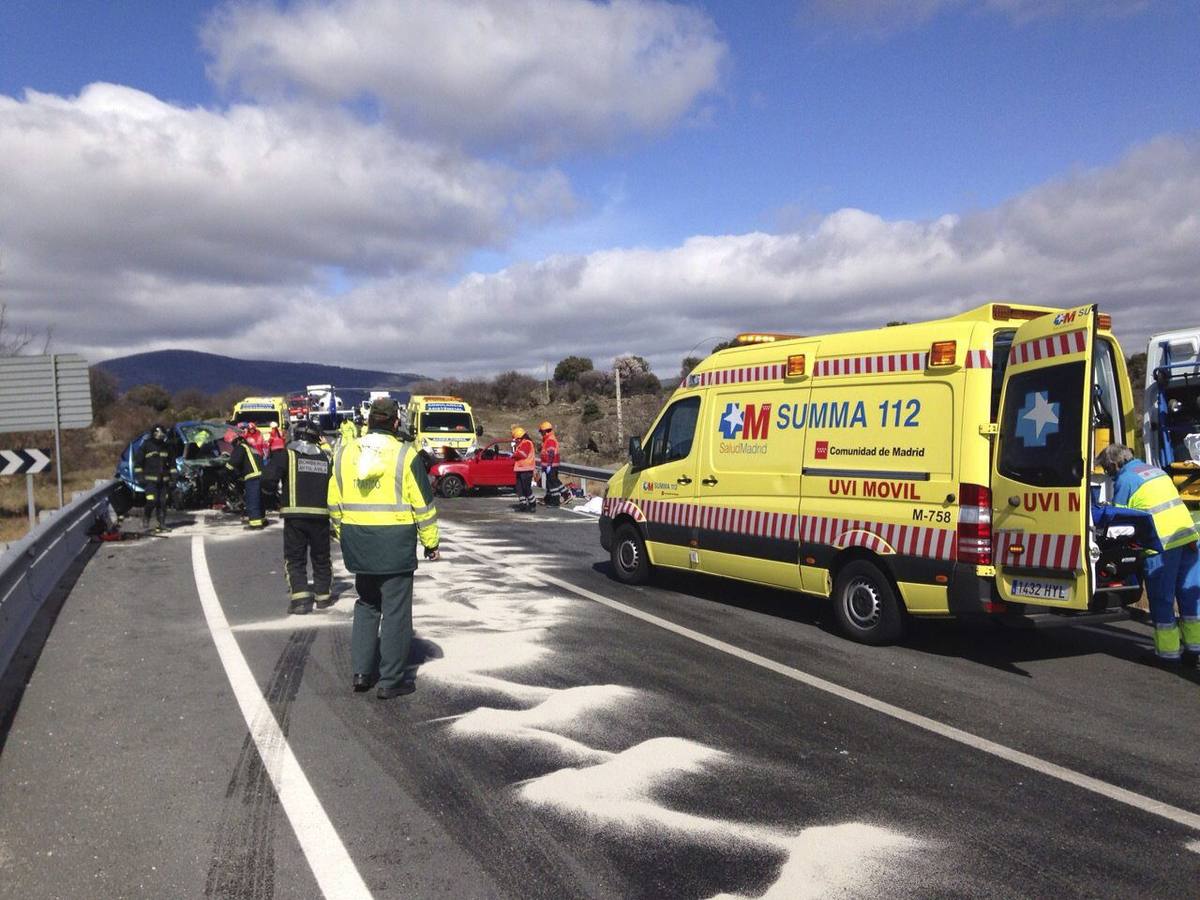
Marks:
<point>872,365</point>
<point>1047,347</point>
<point>743,375</point>
<point>881,537</point>
<point>979,359</point>
<point>1046,551</point>
<point>614,506</point>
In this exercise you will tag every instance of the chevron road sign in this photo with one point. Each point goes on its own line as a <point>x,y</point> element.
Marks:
<point>24,462</point>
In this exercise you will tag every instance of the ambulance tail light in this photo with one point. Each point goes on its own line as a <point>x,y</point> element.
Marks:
<point>974,525</point>
<point>943,353</point>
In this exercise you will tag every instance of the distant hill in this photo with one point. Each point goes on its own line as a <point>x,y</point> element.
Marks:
<point>176,370</point>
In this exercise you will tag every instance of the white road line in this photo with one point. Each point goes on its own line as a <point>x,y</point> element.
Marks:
<point>332,866</point>
<point>1020,758</point>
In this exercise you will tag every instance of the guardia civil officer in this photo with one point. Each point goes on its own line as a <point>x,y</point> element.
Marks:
<point>1173,574</point>
<point>245,463</point>
<point>381,505</point>
<point>302,472</point>
<point>152,466</point>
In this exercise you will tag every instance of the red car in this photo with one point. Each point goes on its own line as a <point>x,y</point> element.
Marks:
<point>490,466</point>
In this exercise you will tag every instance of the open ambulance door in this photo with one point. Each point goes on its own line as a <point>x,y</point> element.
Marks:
<point>1040,471</point>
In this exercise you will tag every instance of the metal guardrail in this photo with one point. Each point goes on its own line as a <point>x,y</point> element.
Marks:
<point>32,567</point>
<point>586,473</point>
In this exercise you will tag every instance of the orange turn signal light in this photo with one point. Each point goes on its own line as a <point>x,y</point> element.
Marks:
<point>1104,321</point>
<point>943,353</point>
<point>795,365</point>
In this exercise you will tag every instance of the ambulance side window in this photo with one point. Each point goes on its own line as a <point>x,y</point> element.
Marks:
<point>1106,395</point>
<point>1001,345</point>
<point>672,437</point>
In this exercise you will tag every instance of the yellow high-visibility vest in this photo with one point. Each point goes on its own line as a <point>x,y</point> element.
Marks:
<point>380,497</point>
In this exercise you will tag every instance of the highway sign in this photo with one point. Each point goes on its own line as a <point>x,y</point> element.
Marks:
<point>44,393</point>
<point>24,462</point>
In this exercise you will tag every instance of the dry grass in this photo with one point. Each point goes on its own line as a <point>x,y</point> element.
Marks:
<point>14,507</point>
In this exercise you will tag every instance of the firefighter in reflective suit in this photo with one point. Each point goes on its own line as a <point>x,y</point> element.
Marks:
<point>1174,573</point>
<point>152,465</point>
<point>302,470</point>
<point>246,465</point>
<point>381,505</point>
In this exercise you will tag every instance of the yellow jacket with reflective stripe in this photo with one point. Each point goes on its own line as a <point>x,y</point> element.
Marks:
<point>1157,495</point>
<point>380,496</point>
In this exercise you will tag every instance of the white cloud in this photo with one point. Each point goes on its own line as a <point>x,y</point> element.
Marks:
<point>116,202</point>
<point>1126,237</point>
<point>882,18</point>
<point>540,75</point>
<point>132,224</point>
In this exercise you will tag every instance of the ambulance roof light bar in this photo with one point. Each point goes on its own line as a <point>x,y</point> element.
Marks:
<point>1004,312</point>
<point>763,337</point>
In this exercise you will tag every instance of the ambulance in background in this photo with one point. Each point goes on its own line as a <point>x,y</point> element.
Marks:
<point>1171,417</point>
<point>441,427</point>
<point>934,469</point>
<point>264,412</point>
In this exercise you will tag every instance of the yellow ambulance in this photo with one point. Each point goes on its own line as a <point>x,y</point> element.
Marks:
<point>264,412</point>
<point>441,427</point>
<point>933,469</point>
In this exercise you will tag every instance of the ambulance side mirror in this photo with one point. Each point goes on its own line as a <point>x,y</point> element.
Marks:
<point>636,456</point>
<point>478,431</point>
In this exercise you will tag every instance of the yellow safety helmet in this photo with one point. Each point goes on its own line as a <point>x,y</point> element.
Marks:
<point>518,432</point>
<point>545,426</point>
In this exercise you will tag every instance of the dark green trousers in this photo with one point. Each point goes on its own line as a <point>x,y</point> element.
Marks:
<point>383,629</point>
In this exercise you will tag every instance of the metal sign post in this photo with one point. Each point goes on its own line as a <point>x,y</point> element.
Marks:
<point>57,427</point>
<point>32,502</point>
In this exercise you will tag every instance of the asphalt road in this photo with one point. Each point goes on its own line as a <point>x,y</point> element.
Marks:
<point>572,737</point>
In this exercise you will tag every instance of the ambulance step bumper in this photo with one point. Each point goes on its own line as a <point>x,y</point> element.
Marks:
<point>1057,619</point>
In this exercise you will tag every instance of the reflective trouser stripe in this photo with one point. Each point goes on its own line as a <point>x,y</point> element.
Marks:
<point>1191,633</point>
<point>301,595</point>
<point>1166,641</point>
<point>323,596</point>
<point>305,510</point>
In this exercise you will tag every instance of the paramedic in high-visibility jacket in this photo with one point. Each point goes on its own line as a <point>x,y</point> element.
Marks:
<point>1172,574</point>
<point>381,505</point>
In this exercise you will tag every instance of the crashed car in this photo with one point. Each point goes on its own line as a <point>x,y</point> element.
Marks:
<point>489,466</point>
<point>130,493</point>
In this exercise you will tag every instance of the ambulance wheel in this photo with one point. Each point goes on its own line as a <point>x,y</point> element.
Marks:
<point>451,486</point>
<point>866,605</point>
<point>629,559</point>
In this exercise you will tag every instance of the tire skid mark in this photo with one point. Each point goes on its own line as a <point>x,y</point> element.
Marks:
<point>605,795</point>
<point>243,862</point>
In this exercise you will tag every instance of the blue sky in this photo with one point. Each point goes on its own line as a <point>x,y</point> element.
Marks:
<point>943,122</point>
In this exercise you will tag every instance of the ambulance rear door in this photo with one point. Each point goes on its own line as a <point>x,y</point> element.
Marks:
<point>1040,470</point>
